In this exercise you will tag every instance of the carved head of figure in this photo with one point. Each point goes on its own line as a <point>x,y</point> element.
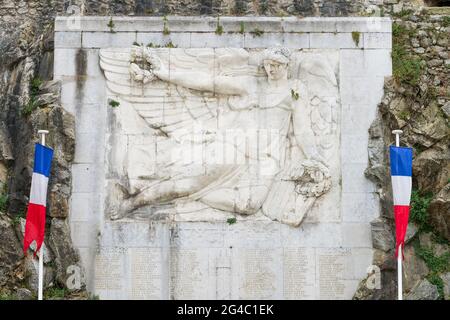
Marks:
<point>276,62</point>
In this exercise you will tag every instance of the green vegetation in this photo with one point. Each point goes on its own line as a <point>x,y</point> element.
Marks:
<point>7,296</point>
<point>151,45</point>
<point>4,198</point>
<point>166,30</point>
<point>55,293</point>
<point>446,21</point>
<point>242,29</point>
<point>403,13</point>
<point>404,115</point>
<point>34,92</point>
<point>111,25</point>
<point>419,209</point>
<point>436,265</point>
<point>406,67</point>
<point>231,221</point>
<point>113,103</point>
<point>294,94</point>
<point>219,28</point>
<point>170,45</point>
<point>93,297</point>
<point>356,37</point>
<point>16,219</point>
<point>257,32</point>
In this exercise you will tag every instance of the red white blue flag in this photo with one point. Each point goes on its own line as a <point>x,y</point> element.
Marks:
<point>35,225</point>
<point>401,176</point>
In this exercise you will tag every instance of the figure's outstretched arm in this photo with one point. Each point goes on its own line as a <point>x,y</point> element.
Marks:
<point>301,120</point>
<point>198,80</point>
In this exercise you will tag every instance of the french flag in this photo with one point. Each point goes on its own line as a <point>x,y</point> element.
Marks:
<point>401,175</point>
<point>35,224</point>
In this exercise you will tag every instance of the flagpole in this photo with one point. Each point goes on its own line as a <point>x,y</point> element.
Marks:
<point>42,134</point>
<point>399,253</point>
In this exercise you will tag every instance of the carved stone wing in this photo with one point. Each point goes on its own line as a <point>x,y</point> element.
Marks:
<point>323,95</point>
<point>166,108</point>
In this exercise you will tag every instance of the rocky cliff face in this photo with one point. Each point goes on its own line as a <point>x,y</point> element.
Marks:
<point>416,100</point>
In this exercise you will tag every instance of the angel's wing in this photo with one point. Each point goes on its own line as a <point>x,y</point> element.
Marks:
<point>323,95</point>
<point>165,107</point>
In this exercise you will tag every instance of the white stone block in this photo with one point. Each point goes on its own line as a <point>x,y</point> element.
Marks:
<point>65,62</point>
<point>90,118</point>
<point>82,207</point>
<point>212,40</point>
<point>312,235</point>
<point>334,40</point>
<point>180,40</point>
<point>353,179</point>
<point>77,63</point>
<point>356,235</point>
<point>84,178</point>
<point>362,90</point>
<point>88,150</point>
<point>67,40</point>
<point>358,262</point>
<point>360,207</point>
<point>296,40</point>
<point>83,233</point>
<point>363,24</point>
<point>354,148</point>
<point>378,40</point>
<point>108,39</point>
<point>134,234</point>
<point>373,63</point>
<point>263,41</point>
<point>357,118</point>
<point>307,25</point>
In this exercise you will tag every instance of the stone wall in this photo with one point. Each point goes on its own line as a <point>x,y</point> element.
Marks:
<point>417,100</point>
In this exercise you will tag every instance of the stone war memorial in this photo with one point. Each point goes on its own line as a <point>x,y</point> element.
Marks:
<point>222,158</point>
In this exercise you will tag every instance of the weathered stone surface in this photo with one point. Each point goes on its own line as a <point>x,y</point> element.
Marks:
<point>382,235</point>
<point>23,294</point>
<point>439,212</point>
<point>10,249</point>
<point>446,279</point>
<point>423,290</point>
<point>414,269</point>
<point>411,231</point>
<point>60,243</point>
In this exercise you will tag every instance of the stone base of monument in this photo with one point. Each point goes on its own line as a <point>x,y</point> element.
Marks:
<point>302,232</point>
<point>244,260</point>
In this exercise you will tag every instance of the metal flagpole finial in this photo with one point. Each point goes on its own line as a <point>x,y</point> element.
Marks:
<point>397,133</point>
<point>42,134</point>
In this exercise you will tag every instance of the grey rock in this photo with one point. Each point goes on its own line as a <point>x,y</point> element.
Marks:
<point>446,109</point>
<point>31,265</point>
<point>61,244</point>
<point>23,294</point>
<point>10,249</point>
<point>435,63</point>
<point>414,268</point>
<point>424,290</point>
<point>411,231</point>
<point>439,212</point>
<point>446,279</point>
<point>382,235</point>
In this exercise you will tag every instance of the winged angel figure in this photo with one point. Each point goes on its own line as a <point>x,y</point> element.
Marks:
<point>205,103</point>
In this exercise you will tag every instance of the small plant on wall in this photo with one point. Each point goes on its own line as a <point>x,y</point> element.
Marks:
<point>113,103</point>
